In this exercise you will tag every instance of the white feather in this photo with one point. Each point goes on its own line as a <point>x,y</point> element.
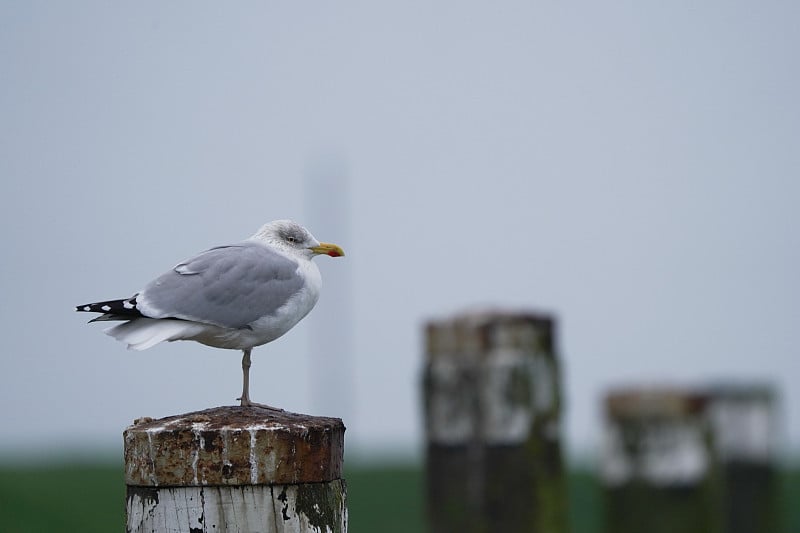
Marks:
<point>143,333</point>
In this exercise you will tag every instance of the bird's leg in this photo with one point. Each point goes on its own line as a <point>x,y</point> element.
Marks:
<point>245,398</point>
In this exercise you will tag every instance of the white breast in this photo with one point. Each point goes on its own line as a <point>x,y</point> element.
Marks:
<point>298,306</point>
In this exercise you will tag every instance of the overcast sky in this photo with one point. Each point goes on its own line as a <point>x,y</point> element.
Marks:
<point>631,167</point>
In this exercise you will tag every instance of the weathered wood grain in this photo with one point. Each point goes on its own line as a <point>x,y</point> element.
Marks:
<point>307,507</point>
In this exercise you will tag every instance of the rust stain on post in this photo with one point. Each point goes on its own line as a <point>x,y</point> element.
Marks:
<point>233,446</point>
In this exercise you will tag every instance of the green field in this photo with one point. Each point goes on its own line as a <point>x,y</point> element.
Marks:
<point>89,498</point>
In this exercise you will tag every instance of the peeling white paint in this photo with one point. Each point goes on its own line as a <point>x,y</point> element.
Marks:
<point>253,458</point>
<point>140,511</point>
<point>196,455</point>
<point>151,456</point>
<point>272,427</point>
<point>303,431</point>
<point>198,443</point>
<point>666,453</point>
<point>233,508</point>
<point>496,400</point>
<point>544,383</point>
<point>199,426</point>
<point>449,418</point>
<point>744,428</point>
<point>506,419</point>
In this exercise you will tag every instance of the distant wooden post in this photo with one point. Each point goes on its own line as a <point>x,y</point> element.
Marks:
<point>745,425</point>
<point>659,467</point>
<point>235,469</point>
<point>492,417</point>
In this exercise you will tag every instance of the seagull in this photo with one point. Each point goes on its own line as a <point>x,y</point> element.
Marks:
<point>236,296</point>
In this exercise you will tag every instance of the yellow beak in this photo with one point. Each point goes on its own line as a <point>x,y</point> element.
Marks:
<point>326,248</point>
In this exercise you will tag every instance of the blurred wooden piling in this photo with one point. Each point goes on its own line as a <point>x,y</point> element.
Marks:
<point>492,416</point>
<point>659,467</point>
<point>744,420</point>
<point>235,469</point>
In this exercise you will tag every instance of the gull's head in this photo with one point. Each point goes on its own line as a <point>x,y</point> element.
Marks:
<point>291,237</point>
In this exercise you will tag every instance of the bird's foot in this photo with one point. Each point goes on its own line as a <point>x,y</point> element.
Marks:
<point>245,402</point>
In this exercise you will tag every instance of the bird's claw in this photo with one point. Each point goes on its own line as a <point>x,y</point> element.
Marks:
<point>247,403</point>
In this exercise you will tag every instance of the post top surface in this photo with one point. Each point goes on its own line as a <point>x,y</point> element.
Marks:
<point>481,317</point>
<point>235,417</point>
<point>752,392</point>
<point>474,335</point>
<point>655,402</point>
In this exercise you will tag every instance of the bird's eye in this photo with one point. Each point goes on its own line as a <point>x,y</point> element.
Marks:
<point>292,240</point>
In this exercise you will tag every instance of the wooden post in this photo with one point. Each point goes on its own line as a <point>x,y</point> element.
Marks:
<point>744,421</point>
<point>659,467</point>
<point>492,416</point>
<point>235,469</point>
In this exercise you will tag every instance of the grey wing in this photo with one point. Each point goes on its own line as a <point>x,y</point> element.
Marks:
<point>228,286</point>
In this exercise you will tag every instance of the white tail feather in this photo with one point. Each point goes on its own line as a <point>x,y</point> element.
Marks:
<point>143,333</point>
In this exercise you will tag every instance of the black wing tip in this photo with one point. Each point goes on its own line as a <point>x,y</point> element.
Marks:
<point>125,308</point>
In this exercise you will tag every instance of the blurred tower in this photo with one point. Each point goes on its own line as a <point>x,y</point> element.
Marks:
<point>331,323</point>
